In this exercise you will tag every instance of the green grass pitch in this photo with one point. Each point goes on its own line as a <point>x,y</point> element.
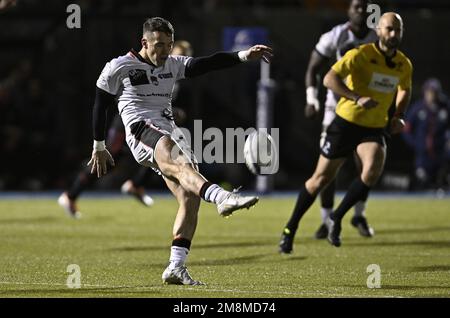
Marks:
<point>122,249</point>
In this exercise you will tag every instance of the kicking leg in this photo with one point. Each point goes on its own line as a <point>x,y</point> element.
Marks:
<point>176,165</point>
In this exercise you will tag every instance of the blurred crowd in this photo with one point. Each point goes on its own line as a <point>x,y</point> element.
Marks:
<point>27,130</point>
<point>428,134</point>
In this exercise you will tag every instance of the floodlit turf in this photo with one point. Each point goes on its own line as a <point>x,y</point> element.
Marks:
<point>122,249</point>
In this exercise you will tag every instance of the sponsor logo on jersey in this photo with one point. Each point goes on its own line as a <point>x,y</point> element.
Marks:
<point>138,77</point>
<point>165,75</point>
<point>383,83</point>
<point>154,80</point>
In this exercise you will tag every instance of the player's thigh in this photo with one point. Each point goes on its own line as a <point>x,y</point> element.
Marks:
<point>168,156</point>
<point>357,160</point>
<point>327,168</point>
<point>372,155</point>
<point>172,157</point>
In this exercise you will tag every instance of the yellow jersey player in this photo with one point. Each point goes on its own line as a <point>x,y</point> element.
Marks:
<point>331,47</point>
<point>367,78</point>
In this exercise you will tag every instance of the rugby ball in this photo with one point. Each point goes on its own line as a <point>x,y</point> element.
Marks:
<point>260,153</point>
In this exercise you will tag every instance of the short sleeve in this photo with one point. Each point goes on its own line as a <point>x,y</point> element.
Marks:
<point>109,80</point>
<point>327,44</point>
<point>406,80</point>
<point>180,63</point>
<point>347,63</point>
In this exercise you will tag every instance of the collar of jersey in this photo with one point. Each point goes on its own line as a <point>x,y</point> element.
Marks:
<point>377,47</point>
<point>140,58</point>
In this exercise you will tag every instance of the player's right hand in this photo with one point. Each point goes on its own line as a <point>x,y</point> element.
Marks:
<point>310,111</point>
<point>312,102</point>
<point>367,102</point>
<point>99,161</point>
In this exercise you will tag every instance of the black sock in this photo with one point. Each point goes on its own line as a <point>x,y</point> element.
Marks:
<point>84,179</point>
<point>182,242</point>
<point>141,177</point>
<point>327,196</point>
<point>356,192</point>
<point>365,197</point>
<point>304,201</point>
<point>203,189</point>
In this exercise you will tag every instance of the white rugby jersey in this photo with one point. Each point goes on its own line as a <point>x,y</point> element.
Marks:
<point>144,90</point>
<point>335,43</point>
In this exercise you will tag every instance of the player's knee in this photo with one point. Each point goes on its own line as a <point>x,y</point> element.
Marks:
<point>318,182</point>
<point>169,169</point>
<point>370,176</point>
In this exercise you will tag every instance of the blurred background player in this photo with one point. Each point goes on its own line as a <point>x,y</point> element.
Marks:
<point>4,4</point>
<point>85,179</point>
<point>331,47</point>
<point>368,79</point>
<point>427,132</point>
<point>116,144</point>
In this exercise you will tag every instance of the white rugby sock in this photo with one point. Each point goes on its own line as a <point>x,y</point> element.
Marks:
<point>325,213</point>
<point>360,208</point>
<point>215,194</point>
<point>178,256</point>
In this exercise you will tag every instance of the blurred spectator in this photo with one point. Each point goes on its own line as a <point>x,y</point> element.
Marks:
<point>427,132</point>
<point>4,4</point>
<point>27,131</point>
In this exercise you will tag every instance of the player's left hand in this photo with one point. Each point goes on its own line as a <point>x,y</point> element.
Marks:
<point>259,52</point>
<point>99,161</point>
<point>397,125</point>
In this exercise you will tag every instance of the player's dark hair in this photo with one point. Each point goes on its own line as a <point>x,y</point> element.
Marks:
<point>158,24</point>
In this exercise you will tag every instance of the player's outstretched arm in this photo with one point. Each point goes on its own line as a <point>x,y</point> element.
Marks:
<point>100,155</point>
<point>257,52</point>
<point>220,60</point>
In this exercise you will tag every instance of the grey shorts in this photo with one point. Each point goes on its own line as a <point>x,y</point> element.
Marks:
<point>142,137</point>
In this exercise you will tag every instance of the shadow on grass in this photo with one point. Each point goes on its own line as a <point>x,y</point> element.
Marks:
<point>230,261</point>
<point>83,291</point>
<point>194,246</point>
<point>409,287</point>
<point>294,258</point>
<point>413,231</point>
<point>400,287</point>
<point>44,219</point>
<point>430,244</point>
<point>431,268</point>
